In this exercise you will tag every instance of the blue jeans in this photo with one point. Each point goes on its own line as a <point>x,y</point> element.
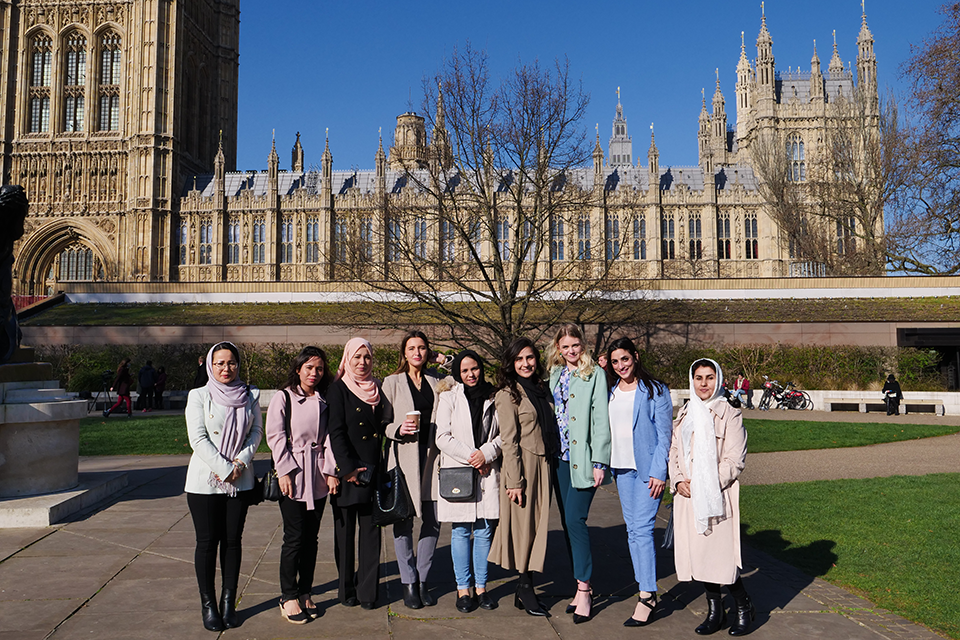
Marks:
<point>574,507</point>
<point>640,514</point>
<point>460,550</point>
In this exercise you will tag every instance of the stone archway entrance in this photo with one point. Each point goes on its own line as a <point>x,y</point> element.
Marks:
<point>63,251</point>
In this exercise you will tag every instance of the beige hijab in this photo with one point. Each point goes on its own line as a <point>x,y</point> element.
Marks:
<point>705,469</point>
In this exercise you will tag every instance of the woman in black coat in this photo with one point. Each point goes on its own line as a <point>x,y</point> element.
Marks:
<point>356,432</point>
<point>892,395</point>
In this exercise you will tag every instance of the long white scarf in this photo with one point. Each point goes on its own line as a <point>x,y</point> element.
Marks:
<point>705,470</point>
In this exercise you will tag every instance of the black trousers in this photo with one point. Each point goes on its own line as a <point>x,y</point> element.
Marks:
<point>218,520</point>
<point>145,398</point>
<point>361,583</point>
<point>298,556</point>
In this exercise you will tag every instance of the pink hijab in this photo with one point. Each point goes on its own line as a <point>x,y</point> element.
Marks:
<point>364,388</point>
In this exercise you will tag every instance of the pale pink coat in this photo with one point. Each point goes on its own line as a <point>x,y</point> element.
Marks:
<point>716,557</point>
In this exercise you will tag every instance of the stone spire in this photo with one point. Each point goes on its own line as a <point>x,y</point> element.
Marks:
<point>273,168</point>
<point>442,153</point>
<point>866,60</point>
<point>836,64</point>
<point>653,161</point>
<point>816,77</point>
<point>765,60</point>
<point>621,146</point>
<point>326,166</point>
<point>219,164</point>
<point>703,132</point>
<point>380,161</point>
<point>598,161</point>
<point>296,163</point>
<point>744,78</point>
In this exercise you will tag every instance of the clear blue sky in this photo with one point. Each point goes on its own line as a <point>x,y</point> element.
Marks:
<point>352,67</point>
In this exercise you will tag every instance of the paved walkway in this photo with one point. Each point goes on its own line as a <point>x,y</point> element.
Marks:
<point>125,571</point>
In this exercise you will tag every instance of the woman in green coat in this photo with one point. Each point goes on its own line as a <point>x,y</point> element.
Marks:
<point>580,398</point>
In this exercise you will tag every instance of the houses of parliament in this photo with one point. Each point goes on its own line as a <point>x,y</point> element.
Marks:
<point>119,118</point>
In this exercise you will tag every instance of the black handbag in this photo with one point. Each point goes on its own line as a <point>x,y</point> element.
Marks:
<point>391,502</point>
<point>458,484</point>
<point>268,486</point>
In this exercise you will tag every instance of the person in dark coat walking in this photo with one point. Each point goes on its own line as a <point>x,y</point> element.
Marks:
<point>146,380</point>
<point>892,395</point>
<point>121,384</point>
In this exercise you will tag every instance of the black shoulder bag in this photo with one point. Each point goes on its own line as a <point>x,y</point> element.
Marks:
<point>391,502</point>
<point>268,487</point>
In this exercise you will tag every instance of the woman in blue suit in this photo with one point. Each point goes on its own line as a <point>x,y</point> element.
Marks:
<point>641,423</point>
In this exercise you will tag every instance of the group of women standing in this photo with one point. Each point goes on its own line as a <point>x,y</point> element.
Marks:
<point>539,433</point>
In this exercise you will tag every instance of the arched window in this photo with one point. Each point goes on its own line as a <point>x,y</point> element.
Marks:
<point>259,241</point>
<point>313,240</point>
<point>184,230</point>
<point>640,238</point>
<point>420,238</point>
<point>340,239</point>
<point>206,242</point>
<point>667,235</point>
<point>503,238</point>
<point>41,65</point>
<point>846,235</point>
<point>286,240</point>
<point>612,245</point>
<point>696,246</point>
<point>79,264</point>
<point>109,91</point>
<point>750,236</point>
<point>556,239</point>
<point>233,242</point>
<point>723,236</point>
<point>75,78</point>
<point>366,237</point>
<point>797,169</point>
<point>583,237</point>
<point>394,240</point>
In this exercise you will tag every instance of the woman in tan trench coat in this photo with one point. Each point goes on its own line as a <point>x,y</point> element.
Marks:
<point>412,387</point>
<point>529,444</point>
<point>707,454</point>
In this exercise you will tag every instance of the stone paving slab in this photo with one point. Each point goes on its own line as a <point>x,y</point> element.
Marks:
<point>126,572</point>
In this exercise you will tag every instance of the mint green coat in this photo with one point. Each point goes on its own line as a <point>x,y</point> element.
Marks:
<point>589,425</point>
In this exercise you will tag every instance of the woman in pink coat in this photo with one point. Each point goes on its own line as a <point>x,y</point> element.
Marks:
<point>707,454</point>
<point>307,474</point>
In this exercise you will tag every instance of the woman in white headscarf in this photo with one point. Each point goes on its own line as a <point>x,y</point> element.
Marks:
<point>225,426</point>
<point>707,454</point>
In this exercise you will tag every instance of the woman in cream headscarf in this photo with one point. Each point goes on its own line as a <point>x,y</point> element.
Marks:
<point>707,454</point>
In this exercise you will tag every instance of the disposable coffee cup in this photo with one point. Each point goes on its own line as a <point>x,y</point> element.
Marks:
<point>414,415</point>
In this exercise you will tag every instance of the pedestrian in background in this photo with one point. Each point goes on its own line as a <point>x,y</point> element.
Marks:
<point>159,388</point>
<point>121,384</point>
<point>146,383</point>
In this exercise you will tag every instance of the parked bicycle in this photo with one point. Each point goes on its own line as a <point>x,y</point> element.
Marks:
<point>786,396</point>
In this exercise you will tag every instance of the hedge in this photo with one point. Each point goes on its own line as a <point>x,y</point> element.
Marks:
<point>79,368</point>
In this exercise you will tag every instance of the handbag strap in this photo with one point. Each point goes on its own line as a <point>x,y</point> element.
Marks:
<point>286,425</point>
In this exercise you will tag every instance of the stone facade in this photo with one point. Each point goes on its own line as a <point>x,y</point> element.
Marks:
<point>106,108</point>
<point>655,221</point>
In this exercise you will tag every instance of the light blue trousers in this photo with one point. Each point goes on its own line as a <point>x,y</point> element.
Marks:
<point>463,551</point>
<point>640,514</point>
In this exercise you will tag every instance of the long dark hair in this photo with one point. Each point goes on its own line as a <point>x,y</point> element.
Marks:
<point>123,364</point>
<point>293,376</point>
<point>403,366</point>
<point>639,371</point>
<point>507,373</point>
<point>229,346</point>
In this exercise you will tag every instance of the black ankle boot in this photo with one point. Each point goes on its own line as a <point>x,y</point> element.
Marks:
<point>228,608</point>
<point>425,596</point>
<point>211,616</point>
<point>716,617</point>
<point>746,613</point>
<point>526,597</point>
<point>411,596</point>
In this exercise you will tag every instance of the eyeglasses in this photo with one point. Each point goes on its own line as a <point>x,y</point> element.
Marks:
<point>225,365</point>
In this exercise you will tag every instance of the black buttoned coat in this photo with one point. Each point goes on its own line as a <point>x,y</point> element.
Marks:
<point>356,437</point>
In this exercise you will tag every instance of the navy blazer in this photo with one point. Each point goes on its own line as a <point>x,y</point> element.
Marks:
<point>652,430</point>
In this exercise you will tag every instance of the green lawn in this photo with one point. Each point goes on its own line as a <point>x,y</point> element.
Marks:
<point>141,434</point>
<point>894,540</point>
<point>796,435</point>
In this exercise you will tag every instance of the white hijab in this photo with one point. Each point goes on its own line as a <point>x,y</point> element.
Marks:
<point>705,469</point>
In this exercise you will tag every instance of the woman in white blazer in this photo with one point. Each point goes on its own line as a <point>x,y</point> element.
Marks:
<point>225,426</point>
<point>413,388</point>
<point>468,436</point>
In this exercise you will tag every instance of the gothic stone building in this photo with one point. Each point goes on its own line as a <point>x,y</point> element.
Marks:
<point>108,198</point>
<point>106,106</point>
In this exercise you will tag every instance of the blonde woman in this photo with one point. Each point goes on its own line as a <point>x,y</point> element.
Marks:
<point>579,390</point>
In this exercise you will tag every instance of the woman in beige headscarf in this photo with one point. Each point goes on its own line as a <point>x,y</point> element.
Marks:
<point>707,454</point>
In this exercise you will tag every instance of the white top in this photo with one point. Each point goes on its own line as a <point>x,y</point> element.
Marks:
<point>621,429</point>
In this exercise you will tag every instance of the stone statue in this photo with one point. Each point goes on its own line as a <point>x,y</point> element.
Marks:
<point>13,211</point>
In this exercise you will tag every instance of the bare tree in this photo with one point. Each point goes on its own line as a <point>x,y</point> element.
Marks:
<point>473,233</point>
<point>925,232</point>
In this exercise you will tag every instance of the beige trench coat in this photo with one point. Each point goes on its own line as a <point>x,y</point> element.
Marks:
<point>455,441</point>
<point>716,557</point>
<point>520,541</point>
<point>397,392</point>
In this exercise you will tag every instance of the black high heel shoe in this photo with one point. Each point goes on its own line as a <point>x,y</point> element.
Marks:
<point>577,618</point>
<point>651,603</point>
